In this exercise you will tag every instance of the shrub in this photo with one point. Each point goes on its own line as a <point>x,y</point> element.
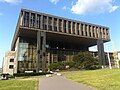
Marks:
<point>85,60</point>
<point>29,74</point>
<point>61,65</point>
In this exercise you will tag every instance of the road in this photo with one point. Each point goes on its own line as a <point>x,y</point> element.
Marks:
<point>60,83</point>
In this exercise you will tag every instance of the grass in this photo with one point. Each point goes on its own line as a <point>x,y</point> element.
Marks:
<point>100,79</point>
<point>20,84</point>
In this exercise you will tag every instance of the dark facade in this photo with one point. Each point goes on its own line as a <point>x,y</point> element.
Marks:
<point>41,39</point>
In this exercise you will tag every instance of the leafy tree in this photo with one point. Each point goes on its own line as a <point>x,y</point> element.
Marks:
<point>85,60</point>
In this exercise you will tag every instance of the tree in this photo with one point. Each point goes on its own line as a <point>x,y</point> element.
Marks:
<point>85,60</point>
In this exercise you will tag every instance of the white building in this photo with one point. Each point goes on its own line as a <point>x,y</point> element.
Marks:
<point>9,63</point>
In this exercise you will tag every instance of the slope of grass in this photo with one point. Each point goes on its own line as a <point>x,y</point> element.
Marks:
<point>19,84</point>
<point>99,79</point>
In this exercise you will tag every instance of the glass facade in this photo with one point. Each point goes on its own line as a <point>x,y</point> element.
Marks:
<point>28,52</point>
<point>27,55</point>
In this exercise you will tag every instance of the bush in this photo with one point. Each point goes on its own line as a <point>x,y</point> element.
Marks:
<point>29,74</point>
<point>61,65</point>
<point>85,60</point>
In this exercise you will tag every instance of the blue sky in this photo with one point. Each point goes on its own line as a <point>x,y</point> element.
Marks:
<point>102,12</point>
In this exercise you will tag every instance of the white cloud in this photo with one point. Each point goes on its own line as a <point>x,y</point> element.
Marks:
<point>65,8</point>
<point>11,1</point>
<point>54,1</point>
<point>83,7</point>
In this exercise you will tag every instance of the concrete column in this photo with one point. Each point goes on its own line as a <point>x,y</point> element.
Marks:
<point>43,34</point>
<point>98,32</point>
<point>58,25</point>
<point>52,56</point>
<point>76,29</point>
<point>102,34</point>
<point>41,23</point>
<point>105,33</point>
<point>91,31</point>
<point>47,22</point>
<point>84,33</point>
<point>38,52</point>
<point>16,55</point>
<point>80,32</point>
<point>62,25</point>
<point>101,53</point>
<point>52,24</point>
<point>95,31</point>
<point>48,58</point>
<point>41,51</point>
<point>29,18</point>
<point>66,26</point>
<point>71,27</point>
<point>88,31</point>
<point>21,19</point>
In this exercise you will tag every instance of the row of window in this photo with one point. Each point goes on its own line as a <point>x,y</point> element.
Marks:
<point>48,23</point>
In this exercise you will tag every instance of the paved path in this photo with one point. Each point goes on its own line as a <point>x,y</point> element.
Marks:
<point>60,83</point>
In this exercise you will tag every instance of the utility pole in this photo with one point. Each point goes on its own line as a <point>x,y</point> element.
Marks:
<point>109,60</point>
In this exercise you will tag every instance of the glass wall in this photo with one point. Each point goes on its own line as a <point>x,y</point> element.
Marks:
<point>27,55</point>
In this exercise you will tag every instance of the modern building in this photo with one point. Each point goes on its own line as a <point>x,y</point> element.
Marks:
<point>9,63</point>
<point>41,39</point>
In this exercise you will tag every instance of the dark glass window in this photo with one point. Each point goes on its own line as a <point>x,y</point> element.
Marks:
<point>11,66</point>
<point>26,19</point>
<point>55,24</point>
<point>60,25</point>
<point>86,30</point>
<point>90,30</point>
<point>32,20</point>
<point>93,31</point>
<point>69,27</point>
<point>38,21</point>
<point>64,26</point>
<point>11,60</point>
<point>78,28</point>
<point>44,22</point>
<point>50,23</point>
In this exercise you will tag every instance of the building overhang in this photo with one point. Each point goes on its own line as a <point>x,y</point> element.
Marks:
<point>56,36</point>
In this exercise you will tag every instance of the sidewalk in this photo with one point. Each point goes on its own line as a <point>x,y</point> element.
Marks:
<point>60,83</point>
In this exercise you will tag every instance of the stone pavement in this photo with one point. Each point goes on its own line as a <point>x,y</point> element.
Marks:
<point>60,83</point>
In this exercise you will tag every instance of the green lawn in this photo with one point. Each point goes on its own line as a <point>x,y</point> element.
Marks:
<point>100,79</point>
<point>19,84</point>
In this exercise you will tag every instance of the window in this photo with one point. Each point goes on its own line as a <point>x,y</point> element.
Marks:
<point>64,26</point>
<point>26,19</point>
<point>50,23</point>
<point>10,66</point>
<point>60,25</point>
<point>69,27</point>
<point>78,28</point>
<point>44,22</point>
<point>11,60</point>
<point>86,30</point>
<point>55,24</point>
<point>38,21</point>
<point>32,20</point>
<point>90,30</point>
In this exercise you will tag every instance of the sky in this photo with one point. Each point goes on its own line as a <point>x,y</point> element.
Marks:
<point>101,12</point>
